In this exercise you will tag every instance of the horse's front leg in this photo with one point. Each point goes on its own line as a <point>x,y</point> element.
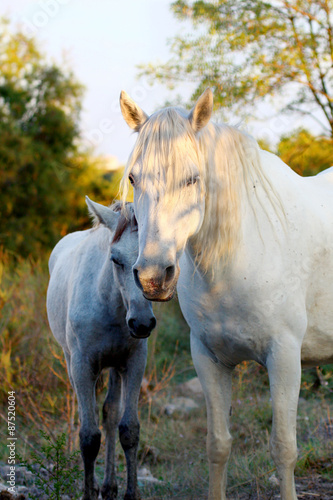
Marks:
<point>284,370</point>
<point>129,427</point>
<point>111,418</point>
<point>216,383</point>
<point>84,381</point>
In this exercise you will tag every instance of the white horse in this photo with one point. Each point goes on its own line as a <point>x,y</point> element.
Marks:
<point>250,244</point>
<point>101,320</point>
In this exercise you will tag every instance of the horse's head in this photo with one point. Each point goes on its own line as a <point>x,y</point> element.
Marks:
<point>123,255</point>
<point>166,171</point>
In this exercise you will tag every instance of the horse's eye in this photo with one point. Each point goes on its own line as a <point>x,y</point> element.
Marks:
<point>191,181</point>
<point>131,179</point>
<point>115,261</point>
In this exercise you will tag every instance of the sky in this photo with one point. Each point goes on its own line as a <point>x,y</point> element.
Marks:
<point>103,41</point>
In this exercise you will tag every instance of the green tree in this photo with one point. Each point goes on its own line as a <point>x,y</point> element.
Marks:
<point>305,153</point>
<point>43,173</point>
<point>249,49</point>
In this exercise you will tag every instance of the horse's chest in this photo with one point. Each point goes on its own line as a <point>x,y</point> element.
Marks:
<point>228,324</point>
<point>106,340</point>
<point>230,338</point>
<point>112,348</point>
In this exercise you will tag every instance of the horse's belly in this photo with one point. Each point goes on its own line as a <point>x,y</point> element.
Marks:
<point>317,346</point>
<point>317,349</point>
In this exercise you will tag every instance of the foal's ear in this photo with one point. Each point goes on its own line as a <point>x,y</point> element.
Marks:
<point>102,215</point>
<point>202,111</point>
<point>132,113</point>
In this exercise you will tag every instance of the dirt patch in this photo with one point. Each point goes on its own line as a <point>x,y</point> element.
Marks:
<point>311,488</point>
<point>314,487</point>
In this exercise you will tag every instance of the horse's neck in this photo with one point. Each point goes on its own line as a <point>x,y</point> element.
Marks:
<point>106,288</point>
<point>109,294</point>
<point>261,219</point>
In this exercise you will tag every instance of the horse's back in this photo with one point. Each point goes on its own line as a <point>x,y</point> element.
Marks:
<point>66,246</point>
<point>321,186</point>
<point>317,198</point>
<point>326,175</point>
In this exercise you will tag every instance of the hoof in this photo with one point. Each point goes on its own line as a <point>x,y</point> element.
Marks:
<point>91,495</point>
<point>132,496</point>
<point>109,492</point>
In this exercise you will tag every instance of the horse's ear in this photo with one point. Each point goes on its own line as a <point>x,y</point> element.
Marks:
<point>132,113</point>
<point>102,215</point>
<point>202,111</point>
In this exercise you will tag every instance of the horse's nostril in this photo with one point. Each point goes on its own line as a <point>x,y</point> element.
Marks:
<point>136,278</point>
<point>169,274</point>
<point>140,330</point>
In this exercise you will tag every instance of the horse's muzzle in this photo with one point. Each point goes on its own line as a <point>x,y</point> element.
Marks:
<point>157,287</point>
<point>154,298</point>
<point>139,330</point>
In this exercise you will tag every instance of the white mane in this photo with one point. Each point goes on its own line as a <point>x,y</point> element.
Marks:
<point>227,160</point>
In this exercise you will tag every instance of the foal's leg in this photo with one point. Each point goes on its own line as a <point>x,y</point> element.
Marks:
<point>284,370</point>
<point>216,384</point>
<point>129,427</point>
<point>111,418</point>
<point>90,436</point>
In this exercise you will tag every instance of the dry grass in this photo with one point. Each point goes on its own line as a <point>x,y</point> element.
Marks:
<point>31,363</point>
<point>181,462</point>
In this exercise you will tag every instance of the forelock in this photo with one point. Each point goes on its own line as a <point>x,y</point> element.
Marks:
<point>126,219</point>
<point>166,144</point>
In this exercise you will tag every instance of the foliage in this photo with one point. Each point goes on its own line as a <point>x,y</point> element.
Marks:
<point>43,174</point>
<point>303,152</point>
<point>31,362</point>
<point>56,474</point>
<point>248,49</point>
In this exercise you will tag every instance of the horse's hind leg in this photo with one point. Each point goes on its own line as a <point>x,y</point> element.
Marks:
<point>111,418</point>
<point>284,370</point>
<point>216,384</point>
<point>129,427</point>
<point>90,436</point>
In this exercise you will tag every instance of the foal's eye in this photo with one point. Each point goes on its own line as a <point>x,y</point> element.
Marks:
<point>191,181</point>
<point>115,261</point>
<point>131,179</point>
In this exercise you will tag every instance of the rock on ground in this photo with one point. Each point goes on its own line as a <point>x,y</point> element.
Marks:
<point>180,405</point>
<point>192,387</point>
<point>144,475</point>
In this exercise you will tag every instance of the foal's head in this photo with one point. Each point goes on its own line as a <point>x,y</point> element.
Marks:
<point>123,254</point>
<point>166,171</point>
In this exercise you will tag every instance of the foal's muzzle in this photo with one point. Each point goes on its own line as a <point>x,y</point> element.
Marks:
<point>140,330</point>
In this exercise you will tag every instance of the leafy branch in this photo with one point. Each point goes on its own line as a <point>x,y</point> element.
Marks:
<point>56,473</point>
